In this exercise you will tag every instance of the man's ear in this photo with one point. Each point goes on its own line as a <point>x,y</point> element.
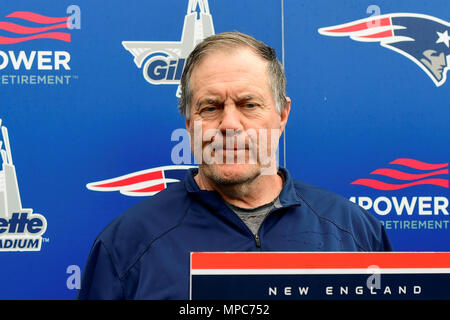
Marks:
<point>284,115</point>
<point>187,123</point>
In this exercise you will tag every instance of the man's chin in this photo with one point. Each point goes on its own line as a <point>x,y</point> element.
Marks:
<point>231,174</point>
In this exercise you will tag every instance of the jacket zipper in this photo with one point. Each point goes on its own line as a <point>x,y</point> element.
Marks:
<point>256,235</point>
<point>257,240</point>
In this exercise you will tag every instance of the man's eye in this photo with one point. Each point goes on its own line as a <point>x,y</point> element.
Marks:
<point>208,110</point>
<point>250,105</point>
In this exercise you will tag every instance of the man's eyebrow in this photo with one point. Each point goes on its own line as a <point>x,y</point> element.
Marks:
<point>208,100</point>
<point>248,97</point>
<point>217,101</point>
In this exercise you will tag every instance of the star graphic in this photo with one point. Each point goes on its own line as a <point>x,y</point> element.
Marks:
<point>444,38</point>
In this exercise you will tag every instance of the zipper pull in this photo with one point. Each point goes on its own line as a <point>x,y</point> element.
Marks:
<point>257,241</point>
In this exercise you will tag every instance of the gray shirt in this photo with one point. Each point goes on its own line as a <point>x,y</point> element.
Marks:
<point>253,218</point>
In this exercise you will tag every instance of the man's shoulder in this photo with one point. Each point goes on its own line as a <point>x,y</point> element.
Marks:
<point>345,215</point>
<point>157,210</point>
<point>129,235</point>
<point>317,194</point>
<point>329,204</point>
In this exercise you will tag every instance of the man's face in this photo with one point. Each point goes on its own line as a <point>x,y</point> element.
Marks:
<point>234,106</point>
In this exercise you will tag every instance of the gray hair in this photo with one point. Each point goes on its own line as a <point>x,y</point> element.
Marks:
<point>226,40</point>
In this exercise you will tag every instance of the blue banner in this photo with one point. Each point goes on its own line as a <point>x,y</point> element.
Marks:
<point>90,125</point>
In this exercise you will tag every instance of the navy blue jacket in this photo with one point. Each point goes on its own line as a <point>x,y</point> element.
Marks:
<point>144,253</point>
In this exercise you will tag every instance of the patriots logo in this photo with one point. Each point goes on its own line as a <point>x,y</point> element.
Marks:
<point>421,38</point>
<point>142,183</point>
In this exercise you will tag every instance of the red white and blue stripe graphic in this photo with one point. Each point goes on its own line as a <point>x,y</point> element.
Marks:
<point>379,28</point>
<point>142,183</point>
<point>319,275</point>
<point>420,173</point>
<point>21,26</point>
<point>318,262</point>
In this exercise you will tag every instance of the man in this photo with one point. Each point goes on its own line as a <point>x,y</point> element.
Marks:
<point>233,97</point>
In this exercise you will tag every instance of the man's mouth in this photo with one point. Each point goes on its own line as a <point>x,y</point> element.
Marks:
<point>234,149</point>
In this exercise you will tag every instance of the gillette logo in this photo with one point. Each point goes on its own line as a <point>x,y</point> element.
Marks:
<point>20,228</point>
<point>162,62</point>
<point>20,223</point>
<point>161,70</point>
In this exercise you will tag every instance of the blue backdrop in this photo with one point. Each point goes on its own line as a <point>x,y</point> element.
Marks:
<point>79,110</point>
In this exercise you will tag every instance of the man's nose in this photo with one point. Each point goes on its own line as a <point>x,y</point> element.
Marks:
<point>231,118</point>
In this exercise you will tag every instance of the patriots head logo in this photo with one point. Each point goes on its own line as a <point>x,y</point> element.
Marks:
<point>421,38</point>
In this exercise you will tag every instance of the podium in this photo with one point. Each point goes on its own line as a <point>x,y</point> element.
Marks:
<point>320,276</point>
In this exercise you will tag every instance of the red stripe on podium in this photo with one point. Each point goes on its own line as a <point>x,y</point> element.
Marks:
<point>318,260</point>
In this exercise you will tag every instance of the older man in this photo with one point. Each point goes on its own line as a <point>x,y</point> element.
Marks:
<point>233,98</point>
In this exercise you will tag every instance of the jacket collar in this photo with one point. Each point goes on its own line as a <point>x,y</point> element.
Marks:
<point>288,196</point>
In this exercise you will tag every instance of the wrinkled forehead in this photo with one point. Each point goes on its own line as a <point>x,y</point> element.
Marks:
<point>228,66</point>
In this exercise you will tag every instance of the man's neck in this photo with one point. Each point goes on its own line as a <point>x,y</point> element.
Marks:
<point>257,192</point>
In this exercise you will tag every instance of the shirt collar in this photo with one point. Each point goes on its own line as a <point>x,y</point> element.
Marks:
<point>288,195</point>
